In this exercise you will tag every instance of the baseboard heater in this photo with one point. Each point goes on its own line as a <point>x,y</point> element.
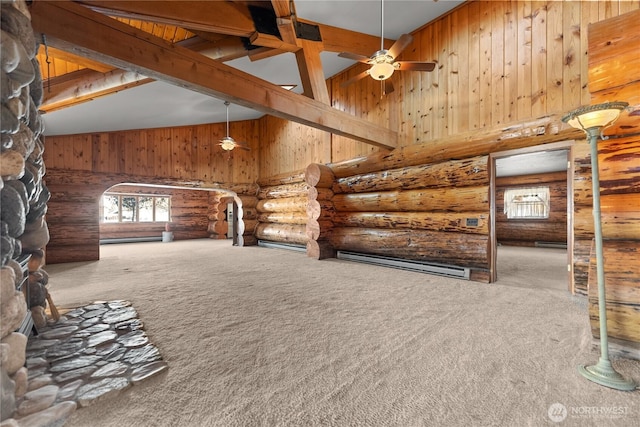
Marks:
<point>131,240</point>
<point>405,264</point>
<point>557,245</point>
<point>279,245</point>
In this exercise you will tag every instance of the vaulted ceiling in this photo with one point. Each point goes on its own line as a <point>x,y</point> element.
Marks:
<point>113,65</point>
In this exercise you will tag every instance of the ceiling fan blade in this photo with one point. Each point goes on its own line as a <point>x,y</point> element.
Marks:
<point>243,146</point>
<point>355,57</point>
<point>388,86</point>
<point>415,66</point>
<point>354,79</point>
<point>400,44</point>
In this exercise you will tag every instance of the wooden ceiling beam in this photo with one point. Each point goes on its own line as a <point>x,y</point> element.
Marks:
<point>87,85</point>
<point>339,40</point>
<point>282,9</point>
<point>311,73</point>
<point>273,42</point>
<point>73,27</point>
<point>214,16</point>
<point>223,49</point>
<point>75,59</point>
<point>263,53</point>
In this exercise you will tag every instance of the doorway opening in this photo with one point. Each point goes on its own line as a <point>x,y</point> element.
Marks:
<point>531,197</point>
<point>137,212</point>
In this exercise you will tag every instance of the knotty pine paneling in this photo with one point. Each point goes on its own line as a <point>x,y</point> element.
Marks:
<point>285,144</point>
<point>498,62</point>
<point>189,152</point>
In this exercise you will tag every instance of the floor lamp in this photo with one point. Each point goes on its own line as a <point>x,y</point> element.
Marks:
<point>592,120</point>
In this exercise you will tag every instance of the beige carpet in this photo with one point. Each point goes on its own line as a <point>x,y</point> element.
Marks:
<point>269,337</point>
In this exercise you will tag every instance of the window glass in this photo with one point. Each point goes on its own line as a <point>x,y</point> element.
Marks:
<point>129,208</point>
<point>145,206</point>
<point>135,208</point>
<point>110,209</point>
<point>162,209</point>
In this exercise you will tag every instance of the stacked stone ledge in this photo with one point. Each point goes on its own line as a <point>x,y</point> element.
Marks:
<point>23,200</point>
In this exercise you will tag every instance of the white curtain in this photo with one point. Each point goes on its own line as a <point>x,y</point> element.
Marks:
<point>530,202</point>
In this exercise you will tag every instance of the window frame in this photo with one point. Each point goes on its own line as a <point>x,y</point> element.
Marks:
<point>137,197</point>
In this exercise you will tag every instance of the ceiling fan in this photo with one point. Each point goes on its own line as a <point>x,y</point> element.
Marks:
<point>383,62</point>
<point>227,143</point>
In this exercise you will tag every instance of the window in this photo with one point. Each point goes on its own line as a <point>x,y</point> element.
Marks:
<point>527,203</point>
<point>134,208</point>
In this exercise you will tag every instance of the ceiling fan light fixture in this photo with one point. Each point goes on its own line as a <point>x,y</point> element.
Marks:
<point>227,143</point>
<point>381,70</point>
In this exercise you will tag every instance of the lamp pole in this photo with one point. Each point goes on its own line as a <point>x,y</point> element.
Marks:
<point>592,120</point>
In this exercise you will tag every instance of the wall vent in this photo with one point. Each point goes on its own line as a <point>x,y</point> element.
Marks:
<point>405,264</point>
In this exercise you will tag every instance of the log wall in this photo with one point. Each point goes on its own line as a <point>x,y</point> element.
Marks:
<point>524,232</point>
<point>614,74</point>
<point>320,211</point>
<point>218,226</point>
<point>75,218</point>
<point>435,212</point>
<point>282,209</point>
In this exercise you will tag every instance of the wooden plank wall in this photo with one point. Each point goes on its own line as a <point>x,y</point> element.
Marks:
<point>499,63</point>
<point>288,147</point>
<point>519,232</point>
<point>188,152</point>
<point>614,71</point>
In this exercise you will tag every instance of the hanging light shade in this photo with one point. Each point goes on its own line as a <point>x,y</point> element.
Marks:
<point>382,67</point>
<point>381,71</point>
<point>595,116</point>
<point>227,143</point>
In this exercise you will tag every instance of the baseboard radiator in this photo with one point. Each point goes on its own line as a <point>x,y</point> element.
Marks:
<point>405,264</point>
<point>131,240</point>
<point>279,245</point>
<point>555,245</point>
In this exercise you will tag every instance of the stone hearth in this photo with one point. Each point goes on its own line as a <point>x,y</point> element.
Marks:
<point>91,353</point>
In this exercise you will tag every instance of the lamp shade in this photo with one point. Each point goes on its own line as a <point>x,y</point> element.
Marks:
<point>381,70</point>
<point>227,143</point>
<point>595,116</point>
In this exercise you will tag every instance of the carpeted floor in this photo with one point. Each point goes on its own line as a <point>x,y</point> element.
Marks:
<point>268,337</point>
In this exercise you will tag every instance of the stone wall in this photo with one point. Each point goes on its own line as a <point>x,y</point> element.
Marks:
<point>24,197</point>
